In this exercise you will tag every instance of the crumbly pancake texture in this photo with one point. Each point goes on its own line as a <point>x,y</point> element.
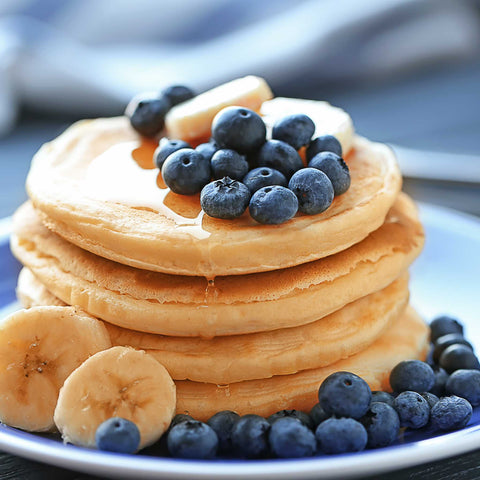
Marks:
<point>96,186</point>
<point>407,338</point>
<point>192,306</point>
<point>261,355</point>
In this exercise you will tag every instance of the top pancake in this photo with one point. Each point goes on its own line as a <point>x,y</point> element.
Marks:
<point>95,185</point>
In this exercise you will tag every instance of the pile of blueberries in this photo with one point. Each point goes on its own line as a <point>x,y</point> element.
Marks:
<point>267,176</point>
<point>349,417</point>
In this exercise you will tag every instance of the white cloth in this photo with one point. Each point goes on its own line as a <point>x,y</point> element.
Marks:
<point>89,57</point>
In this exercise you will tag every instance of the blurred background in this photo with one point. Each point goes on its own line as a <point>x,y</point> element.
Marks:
<point>408,72</point>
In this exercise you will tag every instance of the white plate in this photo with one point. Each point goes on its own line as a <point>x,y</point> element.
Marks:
<point>444,280</point>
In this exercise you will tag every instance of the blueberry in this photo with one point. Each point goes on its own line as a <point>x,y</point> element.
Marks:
<point>341,435</point>
<point>177,94</point>
<point>296,130</point>
<point>382,424</point>
<point>165,148</point>
<point>451,413</point>
<point>192,439</point>
<point>146,113</point>
<point>412,375</point>
<point>228,163</point>
<point>344,394</point>
<point>298,414</point>
<point>324,143</point>
<point>279,155</point>
<point>224,198</point>
<point>334,168</point>
<point>441,377</point>
<point>444,325</point>
<point>313,189</point>
<point>117,435</point>
<point>290,438</point>
<point>412,409</point>
<point>239,128</point>
<point>273,205</point>
<point>179,418</point>
<point>207,149</point>
<point>222,423</point>
<point>250,436</point>
<point>384,397</point>
<point>456,357</point>
<point>431,398</point>
<point>441,343</point>
<point>263,177</point>
<point>318,415</point>
<point>466,384</point>
<point>186,171</point>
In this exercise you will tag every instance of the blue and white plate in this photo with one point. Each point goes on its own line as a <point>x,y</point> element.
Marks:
<point>444,280</point>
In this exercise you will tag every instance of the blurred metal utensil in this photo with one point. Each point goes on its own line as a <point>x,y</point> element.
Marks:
<point>438,166</point>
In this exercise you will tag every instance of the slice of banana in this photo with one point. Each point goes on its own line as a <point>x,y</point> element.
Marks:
<point>191,120</point>
<point>328,120</point>
<point>118,382</point>
<point>39,348</point>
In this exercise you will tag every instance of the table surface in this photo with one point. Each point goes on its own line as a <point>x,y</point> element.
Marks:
<point>446,119</point>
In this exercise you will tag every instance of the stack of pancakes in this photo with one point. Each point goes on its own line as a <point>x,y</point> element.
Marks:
<point>245,317</point>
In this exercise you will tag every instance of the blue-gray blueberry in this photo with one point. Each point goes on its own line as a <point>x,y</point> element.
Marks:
<point>224,198</point>
<point>334,168</point>
<point>117,435</point>
<point>412,375</point>
<point>465,383</point>
<point>457,357</point>
<point>165,148</point>
<point>341,435</point>
<point>444,325</point>
<point>296,130</point>
<point>324,143</point>
<point>273,205</point>
<point>239,129</point>
<point>177,94</point>
<point>290,438</point>
<point>186,171</point>
<point>278,155</point>
<point>192,439</point>
<point>313,189</point>
<point>250,437</point>
<point>451,413</point>
<point>413,410</point>
<point>263,177</point>
<point>345,394</point>
<point>228,163</point>
<point>222,424</point>
<point>382,424</point>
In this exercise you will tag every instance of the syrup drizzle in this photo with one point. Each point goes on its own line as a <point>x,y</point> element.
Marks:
<point>126,174</point>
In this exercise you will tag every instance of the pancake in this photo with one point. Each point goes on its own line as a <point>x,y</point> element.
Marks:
<point>191,306</point>
<point>97,187</point>
<point>31,293</point>
<point>407,338</point>
<point>260,355</point>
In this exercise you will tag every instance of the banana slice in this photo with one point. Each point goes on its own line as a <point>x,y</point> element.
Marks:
<point>119,382</point>
<point>191,120</point>
<point>39,348</point>
<point>328,120</point>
